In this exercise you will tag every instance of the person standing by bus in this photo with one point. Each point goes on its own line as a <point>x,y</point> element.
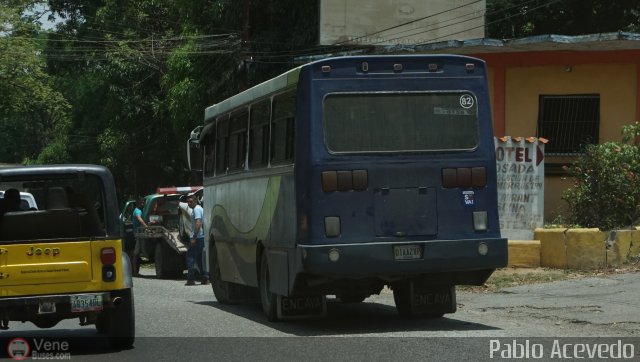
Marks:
<point>137,222</point>
<point>196,244</point>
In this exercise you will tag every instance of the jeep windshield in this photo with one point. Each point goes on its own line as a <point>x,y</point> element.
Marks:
<point>56,193</point>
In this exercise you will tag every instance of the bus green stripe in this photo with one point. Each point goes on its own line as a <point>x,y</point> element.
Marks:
<point>261,228</point>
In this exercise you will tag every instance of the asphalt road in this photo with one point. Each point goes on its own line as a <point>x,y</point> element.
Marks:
<point>176,322</point>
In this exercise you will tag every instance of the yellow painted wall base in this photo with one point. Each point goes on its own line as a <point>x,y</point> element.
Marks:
<point>618,253</point>
<point>553,247</point>
<point>524,253</point>
<point>586,248</point>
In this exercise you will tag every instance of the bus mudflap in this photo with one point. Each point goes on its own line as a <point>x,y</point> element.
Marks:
<point>416,298</point>
<point>301,307</point>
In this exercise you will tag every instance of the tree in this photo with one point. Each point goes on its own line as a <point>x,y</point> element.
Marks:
<point>606,183</point>
<point>34,116</point>
<point>140,73</point>
<point>520,18</point>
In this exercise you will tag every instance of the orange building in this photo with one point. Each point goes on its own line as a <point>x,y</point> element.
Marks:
<point>570,90</point>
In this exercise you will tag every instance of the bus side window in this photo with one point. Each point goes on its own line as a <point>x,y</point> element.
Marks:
<point>222,138</point>
<point>259,134</point>
<point>283,127</point>
<point>238,139</point>
<point>209,153</point>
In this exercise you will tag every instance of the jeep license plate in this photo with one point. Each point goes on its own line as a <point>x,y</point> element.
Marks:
<point>86,303</point>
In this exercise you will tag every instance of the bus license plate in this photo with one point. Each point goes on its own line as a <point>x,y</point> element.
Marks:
<point>86,303</point>
<point>407,252</point>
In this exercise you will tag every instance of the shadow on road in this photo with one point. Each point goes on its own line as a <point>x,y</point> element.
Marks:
<point>352,319</point>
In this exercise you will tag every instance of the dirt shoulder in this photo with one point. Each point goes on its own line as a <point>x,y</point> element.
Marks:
<point>512,277</point>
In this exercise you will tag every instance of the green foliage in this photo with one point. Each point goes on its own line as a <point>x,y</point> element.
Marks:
<point>123,82</point>
<point>519,18</point>
<point>140,73</point>
<point>606,188</point>
<point>33,114</point>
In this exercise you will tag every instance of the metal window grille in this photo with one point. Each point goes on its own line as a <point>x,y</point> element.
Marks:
<point>569,122</point>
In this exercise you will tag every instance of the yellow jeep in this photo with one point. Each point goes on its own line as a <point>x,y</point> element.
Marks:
<point>63,258</point>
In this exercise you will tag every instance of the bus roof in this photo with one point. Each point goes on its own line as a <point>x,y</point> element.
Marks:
<point>289,79</point>
<point>270,86</point>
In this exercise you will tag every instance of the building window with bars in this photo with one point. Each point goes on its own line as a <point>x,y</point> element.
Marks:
<point>569,122</point>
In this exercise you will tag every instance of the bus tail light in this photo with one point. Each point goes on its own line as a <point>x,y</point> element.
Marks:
<point>449,178</point>
<point>360,180</point>
<point>464,177</point>
<point>478,177</point>
<point>480,220</point>
<point>345,181</point>
<point>329,181</point>
<point>332,226</point>
<point>351,180</point>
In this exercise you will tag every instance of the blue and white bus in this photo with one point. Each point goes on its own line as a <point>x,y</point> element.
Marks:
<point>349,174</point>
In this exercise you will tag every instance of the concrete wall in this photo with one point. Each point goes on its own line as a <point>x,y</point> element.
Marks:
<point>615,83</point>
<point>517,80</point>
<point>586,249</point>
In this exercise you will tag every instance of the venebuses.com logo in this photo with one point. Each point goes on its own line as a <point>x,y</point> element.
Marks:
<point>20,349</point>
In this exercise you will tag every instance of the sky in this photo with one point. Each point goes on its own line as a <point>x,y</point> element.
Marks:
<point>46,24</point>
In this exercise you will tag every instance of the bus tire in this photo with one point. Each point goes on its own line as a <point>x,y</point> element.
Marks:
<point>268,300</point>
<point>167,262</point>
<point>220,287</point>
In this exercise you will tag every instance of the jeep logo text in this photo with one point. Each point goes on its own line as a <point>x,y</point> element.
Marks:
<point>46,251</point>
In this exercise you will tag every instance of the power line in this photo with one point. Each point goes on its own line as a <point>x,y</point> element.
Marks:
<point>493,22</point>
<point>407,23</point>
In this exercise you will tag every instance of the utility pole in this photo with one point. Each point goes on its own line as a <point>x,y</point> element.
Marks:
<point>247,24</point>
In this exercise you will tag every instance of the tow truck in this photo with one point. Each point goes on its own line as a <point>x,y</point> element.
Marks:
<point>164,240</point>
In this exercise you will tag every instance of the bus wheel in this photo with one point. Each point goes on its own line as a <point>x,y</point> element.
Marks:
<point>268,299</point>
<point>220,288</point>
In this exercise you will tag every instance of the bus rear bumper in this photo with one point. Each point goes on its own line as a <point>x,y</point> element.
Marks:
<point>393,260</point>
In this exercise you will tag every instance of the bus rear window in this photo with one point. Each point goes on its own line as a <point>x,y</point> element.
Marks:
<point>390,122</point>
